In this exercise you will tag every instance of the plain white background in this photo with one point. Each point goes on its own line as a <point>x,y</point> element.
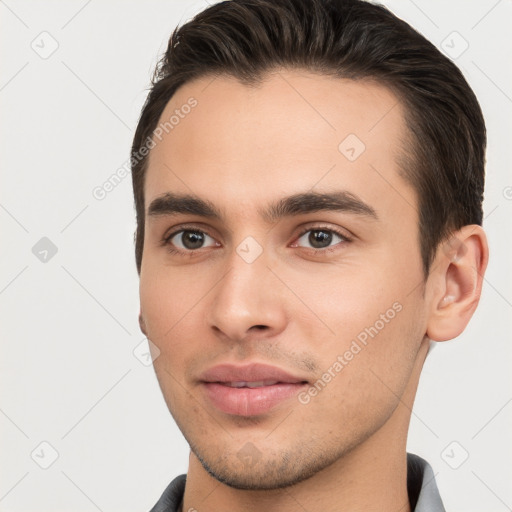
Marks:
<point>72,371</point>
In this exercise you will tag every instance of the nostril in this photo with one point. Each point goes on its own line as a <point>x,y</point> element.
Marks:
<point>260,327</point>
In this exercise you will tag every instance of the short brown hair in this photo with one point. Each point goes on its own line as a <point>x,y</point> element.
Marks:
<point>347,39</point>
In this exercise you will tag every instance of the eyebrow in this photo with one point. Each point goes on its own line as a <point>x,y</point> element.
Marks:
<point>310,202</point>
<point>172,204</point>
<point>297,204</point>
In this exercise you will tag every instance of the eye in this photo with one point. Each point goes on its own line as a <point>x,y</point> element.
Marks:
<point>320,238</point>
<point>190,239</point>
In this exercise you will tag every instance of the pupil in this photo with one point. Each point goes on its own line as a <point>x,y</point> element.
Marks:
<point>192,239</point>
<point>320,239</point>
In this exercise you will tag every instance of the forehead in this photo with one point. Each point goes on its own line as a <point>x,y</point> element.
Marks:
<point>296,131</point>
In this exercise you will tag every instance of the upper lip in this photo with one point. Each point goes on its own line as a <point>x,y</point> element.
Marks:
<point>254,372</point>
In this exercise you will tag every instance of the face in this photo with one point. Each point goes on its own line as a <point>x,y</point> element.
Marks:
<point>281,280</point>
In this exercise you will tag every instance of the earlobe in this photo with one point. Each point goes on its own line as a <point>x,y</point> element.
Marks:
<point>142,324</point>
<point>459,270</point>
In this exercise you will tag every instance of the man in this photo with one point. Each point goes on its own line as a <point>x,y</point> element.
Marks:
<point>308,178</point>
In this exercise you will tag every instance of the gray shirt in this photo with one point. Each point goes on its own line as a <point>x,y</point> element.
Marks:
<point>421,487</point>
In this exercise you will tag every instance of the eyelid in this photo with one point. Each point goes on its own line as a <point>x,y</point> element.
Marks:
<point>185,227</point>
<point>345,234</point>
<point>165,242</point>
<point>177,243</point>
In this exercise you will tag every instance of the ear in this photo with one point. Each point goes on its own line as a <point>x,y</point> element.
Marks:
<point>142,324</point>
<point>457,278</point>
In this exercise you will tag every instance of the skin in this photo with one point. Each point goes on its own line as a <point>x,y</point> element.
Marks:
<point>295,307</point>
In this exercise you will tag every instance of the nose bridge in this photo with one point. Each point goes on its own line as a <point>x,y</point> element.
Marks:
<point>247,280</point>
<point>245,297</point>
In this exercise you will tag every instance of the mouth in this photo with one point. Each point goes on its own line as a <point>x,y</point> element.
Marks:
<point>249,390</point>
<point>251,385</point>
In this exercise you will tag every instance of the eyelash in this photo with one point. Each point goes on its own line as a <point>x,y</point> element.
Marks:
<point>344,238</point>
<point>165,242</point>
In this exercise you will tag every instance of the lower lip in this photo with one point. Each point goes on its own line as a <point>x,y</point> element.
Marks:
<point>249,401</point>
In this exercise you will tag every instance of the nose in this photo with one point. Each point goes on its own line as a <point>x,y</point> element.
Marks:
<point>247,302</point>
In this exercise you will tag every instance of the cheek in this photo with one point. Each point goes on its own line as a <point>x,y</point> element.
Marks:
<point>167,297</point>
<point>371,319</point>
<point>363,376</point>
<point>344,299</point>
<point>173,302</point>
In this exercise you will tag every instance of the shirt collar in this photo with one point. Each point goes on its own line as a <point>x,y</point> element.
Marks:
<point>421,487</point>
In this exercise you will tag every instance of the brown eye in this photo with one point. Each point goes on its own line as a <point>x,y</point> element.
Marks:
<point>320,239</point>
<point>190,240</point>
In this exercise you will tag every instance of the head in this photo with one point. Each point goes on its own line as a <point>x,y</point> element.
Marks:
<point>308,179</point>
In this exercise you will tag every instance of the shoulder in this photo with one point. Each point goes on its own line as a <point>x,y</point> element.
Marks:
<point>172,496</point>
<point>421,486</point>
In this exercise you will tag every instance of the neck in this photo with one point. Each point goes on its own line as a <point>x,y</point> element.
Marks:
<point>371,477</point>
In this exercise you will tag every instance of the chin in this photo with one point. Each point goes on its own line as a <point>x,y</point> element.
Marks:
<point>286,470</point>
